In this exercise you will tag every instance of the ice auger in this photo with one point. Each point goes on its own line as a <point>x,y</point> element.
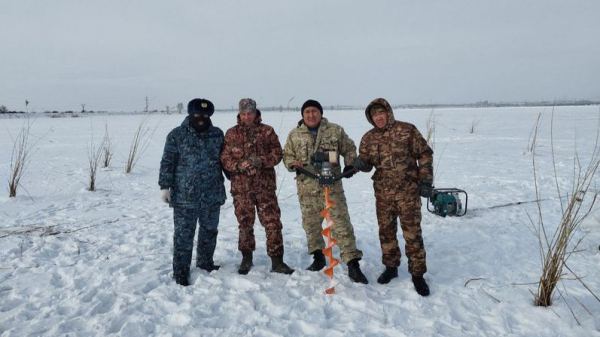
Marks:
<point>323,161</point>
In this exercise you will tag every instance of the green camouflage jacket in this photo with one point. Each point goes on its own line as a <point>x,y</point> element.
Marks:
<point>300,146</point>
<point>398,152</point>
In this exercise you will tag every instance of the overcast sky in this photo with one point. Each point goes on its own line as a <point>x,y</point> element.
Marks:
<point>111,54</point>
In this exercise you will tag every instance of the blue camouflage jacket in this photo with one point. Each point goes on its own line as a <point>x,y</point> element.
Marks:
<point>191,167</point>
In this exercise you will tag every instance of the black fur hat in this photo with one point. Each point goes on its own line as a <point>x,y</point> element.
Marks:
<point>200,106</point>
<point>313,103</point>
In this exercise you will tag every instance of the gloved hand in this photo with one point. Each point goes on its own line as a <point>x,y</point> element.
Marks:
<point>255,162</point>
<point>349,168</point>
<point>361,164</point>
<point>165,195</point>
<point>425,189</point>
<point>297,164</point>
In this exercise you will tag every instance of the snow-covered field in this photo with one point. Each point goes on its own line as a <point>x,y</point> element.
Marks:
<point>80,263</point>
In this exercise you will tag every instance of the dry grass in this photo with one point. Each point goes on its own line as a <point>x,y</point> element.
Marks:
<point>20,158</point>
<point>533,135</point>
<point>140,143</point>
<point>430,130</point>
<point>557,247</point>
<point>474,124</point>
<point>108,148</point>
<point>94,155</point>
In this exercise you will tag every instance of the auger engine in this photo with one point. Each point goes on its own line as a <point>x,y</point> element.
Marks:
<point>448,202</point>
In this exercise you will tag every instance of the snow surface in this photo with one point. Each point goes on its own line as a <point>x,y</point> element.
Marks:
<point>81,263</point>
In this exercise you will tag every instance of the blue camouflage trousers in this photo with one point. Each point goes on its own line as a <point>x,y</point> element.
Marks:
<point>185,220</point>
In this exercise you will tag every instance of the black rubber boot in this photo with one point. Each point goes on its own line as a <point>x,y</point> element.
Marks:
<point>355,274</point>
<point>246,264</point>
<point>278,266</point>
<point>182,277</point>
<point>420,285</point>
<point>319,261</point>
<point>388,274</point>
<point>209,267</point>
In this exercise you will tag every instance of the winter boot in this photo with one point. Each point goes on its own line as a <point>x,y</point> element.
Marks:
<point>420,285</point>
<point>246,264</point>
<point>388,274</point>
<point>182,277</point>
<point>278,266</point>
<point>209,267</point>
<point>355,273</point>
<point>319,261</point>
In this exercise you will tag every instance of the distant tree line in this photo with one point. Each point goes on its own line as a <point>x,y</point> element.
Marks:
<point>281,108</point>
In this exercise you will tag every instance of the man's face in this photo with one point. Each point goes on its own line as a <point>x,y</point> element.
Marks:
<point>379,118</point>
<point>247,118</point>
<point>311,117</point>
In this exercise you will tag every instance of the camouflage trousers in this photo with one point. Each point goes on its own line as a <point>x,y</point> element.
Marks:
<point>409,211</point>
<point>269,215</point>
<point>183,237</point>
<point>311,207</point>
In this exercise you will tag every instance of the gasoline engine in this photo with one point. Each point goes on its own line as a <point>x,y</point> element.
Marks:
<point>448,202</point>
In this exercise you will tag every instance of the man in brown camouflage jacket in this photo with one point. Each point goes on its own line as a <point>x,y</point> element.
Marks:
<point>250,152</point>
<point>403,171</point>
<point>312,135</point>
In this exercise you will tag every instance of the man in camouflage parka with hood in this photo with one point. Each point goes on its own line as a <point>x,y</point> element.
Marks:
<point>403,171</point>
<point>312,135</point>
<point>250,153</point>
<point>191,181</point>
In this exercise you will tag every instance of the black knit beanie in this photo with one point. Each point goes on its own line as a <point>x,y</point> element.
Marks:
<point>313,103</point>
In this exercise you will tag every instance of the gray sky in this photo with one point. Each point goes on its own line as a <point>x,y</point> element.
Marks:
<point>111,54</point>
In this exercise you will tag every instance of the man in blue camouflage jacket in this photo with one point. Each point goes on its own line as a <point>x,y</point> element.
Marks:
<point>191,181</point>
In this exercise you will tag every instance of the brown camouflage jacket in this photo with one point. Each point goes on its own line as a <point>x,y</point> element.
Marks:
<point>300,146</point>
<point>398,152</point>
<point>243,142</point>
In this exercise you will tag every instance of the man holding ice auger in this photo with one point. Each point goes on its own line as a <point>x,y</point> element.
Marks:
<point>312,135</point>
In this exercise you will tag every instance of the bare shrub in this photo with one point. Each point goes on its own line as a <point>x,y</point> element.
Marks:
<point>19,160</point>
<point>140,142</point>
<point>556,248</point>
<point>108,148</point>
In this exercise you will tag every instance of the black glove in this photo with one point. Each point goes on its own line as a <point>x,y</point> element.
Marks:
<point>425,189</point>
<point>349,168</point>
<point>361,164</point>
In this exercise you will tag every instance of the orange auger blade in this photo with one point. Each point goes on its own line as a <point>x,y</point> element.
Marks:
<point>328,251</point>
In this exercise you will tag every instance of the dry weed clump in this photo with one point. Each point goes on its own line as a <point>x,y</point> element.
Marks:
<point>139,144</point>
<point>20,158</point>
<point>557,247</point>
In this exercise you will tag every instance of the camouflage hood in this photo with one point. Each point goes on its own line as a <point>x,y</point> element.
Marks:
<point>386,105</point>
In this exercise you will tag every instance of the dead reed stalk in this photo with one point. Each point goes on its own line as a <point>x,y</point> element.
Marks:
<point>19,160</point>
<point>108,148</point>
<point>557,247</point>
<point>430,130</point>
<point>140,142</point>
